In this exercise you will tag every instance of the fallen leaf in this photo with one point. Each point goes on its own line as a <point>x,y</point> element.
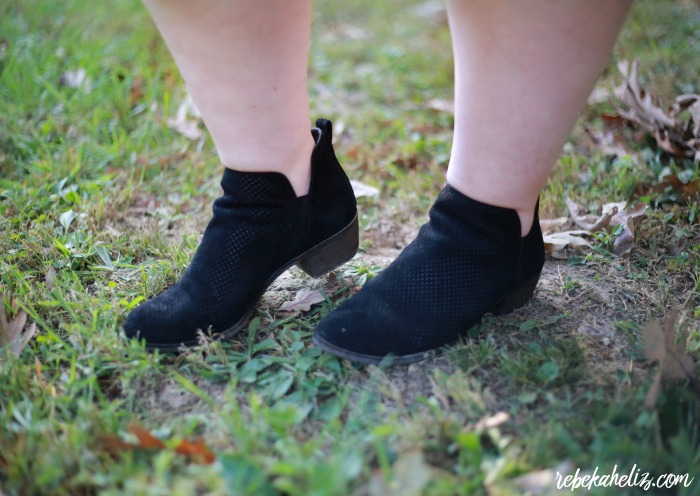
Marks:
<point>197,451</point>
<point>642,108</point>
<point>599,95</point>
<point>447,106</point>
<point>625,217</point>
<point>609,139</point>
<point>674,133</point>
<point>588,222</point>
<point>75,79</point>
<point>613,214</point>
<point>556,242</point>
<point>654,342</point>
<point>37,369</point>
<point>338,128</point>
<point>302,301</point>
<point>674,362</point>
<point>49,278</point>
<point>688,191</point>
<point>492,421</point>
<point>114,445</point>
<point>189,128</point>
<point>678,364</point>
<point>654,391</point>
<point>14,336</point>
<point>136,90</point>
<point>361,189</point>
<point>551,225</point>
<point>146,440</point>
<point>609,143</point>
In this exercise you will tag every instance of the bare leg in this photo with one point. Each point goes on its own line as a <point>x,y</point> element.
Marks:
<point>523,71</point>
<point>245,64</point>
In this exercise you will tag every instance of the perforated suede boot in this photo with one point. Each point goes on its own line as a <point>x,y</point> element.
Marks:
<point>467,260</point>
<point>258,230</point>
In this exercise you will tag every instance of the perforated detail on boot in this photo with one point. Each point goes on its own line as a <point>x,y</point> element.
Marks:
<point>463,261</point>
<point>258,229</point>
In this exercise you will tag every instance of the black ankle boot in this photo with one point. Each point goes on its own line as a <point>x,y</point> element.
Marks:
<point>468,260</point>
<point>259,229</point>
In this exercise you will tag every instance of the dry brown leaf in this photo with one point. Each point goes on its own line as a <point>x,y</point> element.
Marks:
<point>302,301</point>
<point>447,106</point>
<point>642,109</point>
<point>674,362</point>
<point>554,243</point>
<point>362,189</point>
<point>625,217</point>
<point>613,214</point>
<point>599,95</point>
<point>608,143</point>
<point>688,190</point>
<point>37,368</point>
<point>187,127</point>
<point>136,90</point>
<point>654,343</point>
<point>588,222</point>
<point>691,104</point>
<point>551,225</point>
<point>492,421</point>
<point>678,364</point>
<point>76,79</point>
<point>50,278</point>
<point>609,140</point>
<point>197,451</point>
<point>654,391</point>
<point>13,334</point>
<point>114,445</point>
<point>672,132</point>
<point>145,439</point>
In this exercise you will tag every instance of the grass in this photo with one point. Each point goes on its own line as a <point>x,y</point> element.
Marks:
<point>101,204</point>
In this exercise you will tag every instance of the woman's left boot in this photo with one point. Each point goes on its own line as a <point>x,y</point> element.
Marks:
<point>258,230</point>
<point>469,259</point>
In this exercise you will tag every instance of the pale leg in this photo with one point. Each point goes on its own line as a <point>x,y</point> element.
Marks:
<point>523,71</point>
<point>245,64</point>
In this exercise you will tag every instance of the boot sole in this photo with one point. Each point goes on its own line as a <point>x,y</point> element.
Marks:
<point>316,261</point>
<point>515,299</point>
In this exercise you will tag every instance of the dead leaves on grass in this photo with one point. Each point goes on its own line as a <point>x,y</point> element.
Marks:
<point>676,131</point>
<point>612,215</point>
<point>302,301</point>
<point>195,450</point>
<point>182,123</point>
<point>674,362</point>
<point>14,335</point>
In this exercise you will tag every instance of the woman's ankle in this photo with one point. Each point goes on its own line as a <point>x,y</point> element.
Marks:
<point>293,161</point>
<point>525,208</point>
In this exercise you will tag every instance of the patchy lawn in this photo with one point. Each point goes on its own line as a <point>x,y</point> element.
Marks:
<point>103,194</point>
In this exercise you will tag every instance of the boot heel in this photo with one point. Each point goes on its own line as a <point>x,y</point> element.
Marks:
<point>517,298</point>
<point>332,252</point>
